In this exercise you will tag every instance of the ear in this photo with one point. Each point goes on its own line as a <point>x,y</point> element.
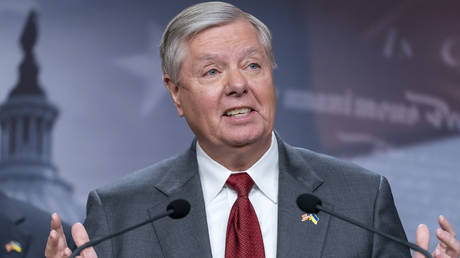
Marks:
<point>174,91</point>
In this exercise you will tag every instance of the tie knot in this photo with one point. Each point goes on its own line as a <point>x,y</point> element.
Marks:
<point>241,183</point>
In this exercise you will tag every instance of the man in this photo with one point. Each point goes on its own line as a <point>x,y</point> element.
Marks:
<point>217,64</point>
<point>23,229</point>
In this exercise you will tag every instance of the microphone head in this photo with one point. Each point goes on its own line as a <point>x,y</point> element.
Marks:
<point>308,203</point>
<point>179,207</point>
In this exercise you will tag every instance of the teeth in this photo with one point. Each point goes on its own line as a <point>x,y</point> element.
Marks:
<point>238,112</point>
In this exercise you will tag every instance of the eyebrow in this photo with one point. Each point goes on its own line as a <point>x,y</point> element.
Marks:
<point>252,50</point>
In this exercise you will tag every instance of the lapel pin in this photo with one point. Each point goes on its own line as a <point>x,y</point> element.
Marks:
<point>310,217</point>
<point>13,246</point>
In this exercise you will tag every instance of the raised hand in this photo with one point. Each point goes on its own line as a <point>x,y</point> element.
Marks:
<point>448,247</point>
<point>56,247</point>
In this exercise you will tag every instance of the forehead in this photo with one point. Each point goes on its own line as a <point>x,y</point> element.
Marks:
<point>239,36</point>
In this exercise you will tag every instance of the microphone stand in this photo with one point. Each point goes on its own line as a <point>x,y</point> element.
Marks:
<point>359,224</point>
<point>99,240</point>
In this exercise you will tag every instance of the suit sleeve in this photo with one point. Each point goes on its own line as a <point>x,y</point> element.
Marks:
<point>386,219</point>
<point>96,224</point>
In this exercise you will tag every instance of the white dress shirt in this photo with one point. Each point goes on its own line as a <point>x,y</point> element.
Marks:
<point>219,198</point>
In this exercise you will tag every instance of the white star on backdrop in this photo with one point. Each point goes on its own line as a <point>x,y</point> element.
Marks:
<point>147,66</point>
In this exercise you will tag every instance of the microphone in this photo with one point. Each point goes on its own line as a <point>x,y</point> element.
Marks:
<point>176,209</point>
<point>312,204</point>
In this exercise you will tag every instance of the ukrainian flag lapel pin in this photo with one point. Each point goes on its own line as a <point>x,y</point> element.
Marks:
<point>310,217</point>
<point>13,246</point>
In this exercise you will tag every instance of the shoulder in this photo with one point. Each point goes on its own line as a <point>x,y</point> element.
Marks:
<point>128,200</point>
<point>324,164</point>
<point>153,179</point>
<point>339,179</point>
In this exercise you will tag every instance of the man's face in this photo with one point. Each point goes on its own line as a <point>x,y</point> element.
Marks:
<point>226,90</point>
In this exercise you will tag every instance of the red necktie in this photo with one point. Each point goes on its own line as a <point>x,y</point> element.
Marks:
<point>244,238</point>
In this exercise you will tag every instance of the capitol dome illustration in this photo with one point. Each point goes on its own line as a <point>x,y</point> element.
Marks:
<point>27,118</point>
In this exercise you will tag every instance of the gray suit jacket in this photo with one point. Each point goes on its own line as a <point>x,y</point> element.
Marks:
<point>343,187</point>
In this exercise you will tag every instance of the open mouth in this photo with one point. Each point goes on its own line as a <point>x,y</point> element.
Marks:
<point>238,112</point>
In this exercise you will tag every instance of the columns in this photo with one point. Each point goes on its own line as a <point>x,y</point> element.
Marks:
<point>5,139</point>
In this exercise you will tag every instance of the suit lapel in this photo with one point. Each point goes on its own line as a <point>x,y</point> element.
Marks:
<point>297,238</point>
<point>189,237</point>
<point>186,237</point>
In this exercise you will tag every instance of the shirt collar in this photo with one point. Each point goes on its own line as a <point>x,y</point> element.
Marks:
<point>264,173</point>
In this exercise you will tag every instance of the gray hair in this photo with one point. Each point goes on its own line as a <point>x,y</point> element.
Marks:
<point>197,18</point>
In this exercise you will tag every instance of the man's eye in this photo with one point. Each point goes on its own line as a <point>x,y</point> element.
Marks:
<point>254,66</point>
<point>211,72</point>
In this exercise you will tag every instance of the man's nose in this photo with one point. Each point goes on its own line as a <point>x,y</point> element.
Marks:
<point>237,84</point>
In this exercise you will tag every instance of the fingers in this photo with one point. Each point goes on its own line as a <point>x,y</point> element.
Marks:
<point>440,254</point>
<point>422,239</point>
<point>448,245</point>
<point>445,225</point>
<point>51,249</point>
<point>56,224</point>
<point>451,246</point>
<point>80,236</point>
<point>67,252</point>
<point>56,246</point>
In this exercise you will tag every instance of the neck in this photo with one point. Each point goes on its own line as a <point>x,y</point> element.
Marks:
<point>238,158</point>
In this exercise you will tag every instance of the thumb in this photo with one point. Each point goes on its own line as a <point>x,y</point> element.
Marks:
<point>422,239</point>
<point>80,236</point>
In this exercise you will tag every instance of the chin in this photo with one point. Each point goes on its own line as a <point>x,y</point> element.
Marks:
<point>242,139</point>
